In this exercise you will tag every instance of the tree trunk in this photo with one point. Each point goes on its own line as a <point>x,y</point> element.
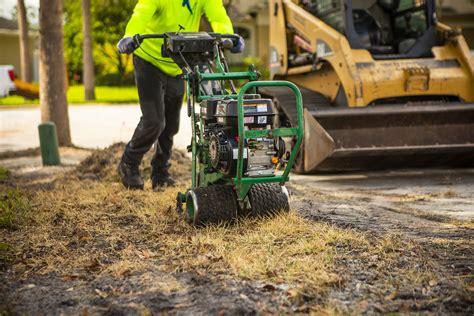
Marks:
<point>87,60</point>
<point>53,99</point>
<point>25,56</point>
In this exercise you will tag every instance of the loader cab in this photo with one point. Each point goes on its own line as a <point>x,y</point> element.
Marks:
<point>388,29</point>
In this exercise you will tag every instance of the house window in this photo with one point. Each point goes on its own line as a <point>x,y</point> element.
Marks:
<point>242,31</point>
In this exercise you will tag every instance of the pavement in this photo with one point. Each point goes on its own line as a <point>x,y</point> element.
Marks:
<point>92,126</point>
<point>29,169</point>
<point>423,193</point>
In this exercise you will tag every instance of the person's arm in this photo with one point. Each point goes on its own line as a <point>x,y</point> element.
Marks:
<point>217,17</point>
<point>142,14</point>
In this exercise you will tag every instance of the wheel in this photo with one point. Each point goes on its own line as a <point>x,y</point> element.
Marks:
<point>211,205</point>
<point>268,199</point>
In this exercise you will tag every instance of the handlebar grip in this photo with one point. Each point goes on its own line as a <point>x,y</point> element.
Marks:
<point>229,36</point>
<point>136,40</point>
<point>140,38</point>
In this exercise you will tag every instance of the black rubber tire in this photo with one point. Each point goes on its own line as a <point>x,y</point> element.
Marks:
<point>215,204</point>
<point>267,199</point>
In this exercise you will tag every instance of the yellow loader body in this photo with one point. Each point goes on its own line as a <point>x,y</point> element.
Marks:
<point>374,108</point>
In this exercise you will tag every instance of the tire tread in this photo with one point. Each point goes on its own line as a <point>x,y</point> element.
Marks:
<point>216,204</point>
<point>268,199</point>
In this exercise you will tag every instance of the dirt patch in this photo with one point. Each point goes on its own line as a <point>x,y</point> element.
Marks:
<point>31,152</point>
<point>102,164</point>
<point>440,246</point>
<point>89,246</point>
<point>146,293</point>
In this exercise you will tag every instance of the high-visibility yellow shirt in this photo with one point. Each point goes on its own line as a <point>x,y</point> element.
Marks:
<point>161,16</point>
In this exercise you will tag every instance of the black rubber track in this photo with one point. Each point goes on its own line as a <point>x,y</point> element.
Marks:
<point>215,204</point>
<point>286,101</point>
<point>268,199</point>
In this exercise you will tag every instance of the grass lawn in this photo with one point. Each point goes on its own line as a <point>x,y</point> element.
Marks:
<point>75,95</point>
<point>130,250</point>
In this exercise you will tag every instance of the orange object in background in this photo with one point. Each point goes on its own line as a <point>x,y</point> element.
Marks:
<point>27,90</point>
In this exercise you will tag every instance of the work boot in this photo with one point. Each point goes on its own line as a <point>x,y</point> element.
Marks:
<point>130,176</point>
<point>160,182</point>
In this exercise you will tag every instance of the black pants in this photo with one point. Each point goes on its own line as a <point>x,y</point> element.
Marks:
<point>161,97</point>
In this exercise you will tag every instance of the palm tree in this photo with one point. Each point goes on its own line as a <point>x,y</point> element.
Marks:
<point>53,86</point>
<point>87,60</point>
<point>25,57</point>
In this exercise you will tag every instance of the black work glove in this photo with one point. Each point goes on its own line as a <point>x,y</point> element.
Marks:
<point>127,45</point>
<point>239,45</point>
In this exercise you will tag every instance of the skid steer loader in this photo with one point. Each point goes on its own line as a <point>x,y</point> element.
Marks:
<point>384,84</point>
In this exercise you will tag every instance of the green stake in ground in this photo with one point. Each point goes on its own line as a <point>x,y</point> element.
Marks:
<point>49,144</point>
<point>242,153</point>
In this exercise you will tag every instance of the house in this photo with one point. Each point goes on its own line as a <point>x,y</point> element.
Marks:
<point>10,47</point>
<point>250,20</point>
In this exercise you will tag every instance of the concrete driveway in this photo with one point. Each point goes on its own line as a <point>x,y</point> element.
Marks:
<point>92,126</point>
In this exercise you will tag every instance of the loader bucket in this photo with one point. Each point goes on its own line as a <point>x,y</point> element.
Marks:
<point>319,145</point>
<point>393,136</point>
<point>381,136</point>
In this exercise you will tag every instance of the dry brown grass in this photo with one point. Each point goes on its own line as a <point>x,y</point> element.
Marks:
<point>87,227</point>
<point>284,249</point>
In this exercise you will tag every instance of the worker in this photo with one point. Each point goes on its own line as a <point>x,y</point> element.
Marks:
<point>160,82</point>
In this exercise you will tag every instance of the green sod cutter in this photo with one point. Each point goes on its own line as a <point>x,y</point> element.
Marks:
<point>240,159</point>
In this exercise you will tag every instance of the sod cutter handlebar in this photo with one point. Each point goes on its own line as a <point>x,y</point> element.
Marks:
<point>138,39</point>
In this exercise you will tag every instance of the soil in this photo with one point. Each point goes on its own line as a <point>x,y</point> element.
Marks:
<point>412,260</point>
<point>102,164</point>
<point>443,242</point>
<point>138,294</point>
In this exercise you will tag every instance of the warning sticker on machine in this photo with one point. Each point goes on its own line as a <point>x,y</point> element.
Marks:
<point>235,153</point>
<point>262,108</point>
<point>249,120</point>
<point>262,120</point>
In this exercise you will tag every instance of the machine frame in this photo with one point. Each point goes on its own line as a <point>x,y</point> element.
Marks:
<point>195,78</point>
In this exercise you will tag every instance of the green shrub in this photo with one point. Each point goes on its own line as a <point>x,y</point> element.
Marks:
<point>3,174</point>
<point>115,80</point>
<point>14,208</point>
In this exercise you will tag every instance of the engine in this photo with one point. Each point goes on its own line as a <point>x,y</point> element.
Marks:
<point>261,155</point>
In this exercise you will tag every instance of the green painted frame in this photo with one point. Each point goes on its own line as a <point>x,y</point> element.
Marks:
<point>243,184</point>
